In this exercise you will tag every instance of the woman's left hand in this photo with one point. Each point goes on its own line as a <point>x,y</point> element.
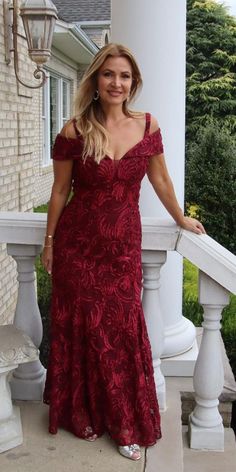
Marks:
<point>191,224</point>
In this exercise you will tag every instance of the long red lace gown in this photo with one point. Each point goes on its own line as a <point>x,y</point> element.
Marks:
<point>100,372</point>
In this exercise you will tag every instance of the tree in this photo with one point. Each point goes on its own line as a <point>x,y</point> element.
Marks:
<point>211,65</point>
<point>211,181</point>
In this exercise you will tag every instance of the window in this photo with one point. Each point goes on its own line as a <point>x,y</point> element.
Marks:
<point>55,112</point>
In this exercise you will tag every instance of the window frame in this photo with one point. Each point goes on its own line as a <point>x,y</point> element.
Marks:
<point>46,117</point>
<point>46,124</point>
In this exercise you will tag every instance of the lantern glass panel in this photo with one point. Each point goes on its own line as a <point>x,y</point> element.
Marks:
<point>36,30</point>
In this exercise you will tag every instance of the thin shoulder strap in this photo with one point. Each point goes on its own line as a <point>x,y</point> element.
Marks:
<point>75,127</point>
<point>148,123</point>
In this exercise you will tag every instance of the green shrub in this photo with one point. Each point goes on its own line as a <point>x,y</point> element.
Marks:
<point>211,181</point>
<point>44,298</point>
<point>193,311</point>
<point>41,208</point>
<point>229,331</point>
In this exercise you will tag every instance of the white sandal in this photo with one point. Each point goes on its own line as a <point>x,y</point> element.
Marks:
<point>132,451</point>
<point>90,436</point>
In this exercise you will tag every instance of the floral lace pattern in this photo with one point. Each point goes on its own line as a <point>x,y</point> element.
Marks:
<point>100,372</point>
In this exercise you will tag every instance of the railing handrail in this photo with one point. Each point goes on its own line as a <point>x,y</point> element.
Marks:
<point>158,234</point>
<point>210,257</point>
<point>22,227</point>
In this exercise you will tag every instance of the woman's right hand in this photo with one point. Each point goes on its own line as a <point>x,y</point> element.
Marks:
<point>46,259</point>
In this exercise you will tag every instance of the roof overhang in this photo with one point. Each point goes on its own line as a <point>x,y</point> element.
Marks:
<point>72,41</point>
<point>103,24</point>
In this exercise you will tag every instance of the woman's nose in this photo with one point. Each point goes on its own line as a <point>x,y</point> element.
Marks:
<point>116,81</point>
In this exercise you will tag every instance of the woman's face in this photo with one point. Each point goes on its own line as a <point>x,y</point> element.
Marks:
<point>114,81</point>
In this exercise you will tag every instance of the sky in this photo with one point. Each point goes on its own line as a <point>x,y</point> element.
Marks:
<point>231,4</point>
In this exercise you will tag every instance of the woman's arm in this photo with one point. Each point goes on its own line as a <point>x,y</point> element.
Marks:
<point>59,196</point>
<point>163,186</point>
<point>60,192</point>
<point>159,177</point>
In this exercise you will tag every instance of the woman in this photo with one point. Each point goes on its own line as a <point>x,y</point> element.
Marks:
<point>100,374</point>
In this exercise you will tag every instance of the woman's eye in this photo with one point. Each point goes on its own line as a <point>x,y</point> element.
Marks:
<point>109,74</point>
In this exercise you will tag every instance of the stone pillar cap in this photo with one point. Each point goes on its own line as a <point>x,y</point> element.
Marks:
<point>15,347</point>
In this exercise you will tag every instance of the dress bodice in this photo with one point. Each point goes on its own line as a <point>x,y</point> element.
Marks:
<point>126,172</point>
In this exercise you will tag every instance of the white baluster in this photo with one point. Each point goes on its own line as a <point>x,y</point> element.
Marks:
<point>205,422</point>
<point>28,380</point>
<point>152,262</point>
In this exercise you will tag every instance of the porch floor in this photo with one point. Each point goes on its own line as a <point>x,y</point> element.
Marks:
<point>63,452</point>
<point>43,452</point>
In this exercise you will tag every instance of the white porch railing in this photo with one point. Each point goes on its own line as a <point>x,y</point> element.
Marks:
<point>24,233</point>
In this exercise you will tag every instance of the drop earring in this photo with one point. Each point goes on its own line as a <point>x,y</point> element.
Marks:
<point>96,95</point>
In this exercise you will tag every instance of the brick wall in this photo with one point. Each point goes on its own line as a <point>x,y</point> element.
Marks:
<point>18,134</point>
<point>97,35</point>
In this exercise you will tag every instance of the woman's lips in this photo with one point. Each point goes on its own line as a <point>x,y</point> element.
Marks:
<point>114,93</point>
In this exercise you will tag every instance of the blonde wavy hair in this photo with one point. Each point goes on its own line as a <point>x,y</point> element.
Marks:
<point>88,112</point>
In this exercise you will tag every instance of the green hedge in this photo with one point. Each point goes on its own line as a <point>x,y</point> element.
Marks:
<point>44,297</point>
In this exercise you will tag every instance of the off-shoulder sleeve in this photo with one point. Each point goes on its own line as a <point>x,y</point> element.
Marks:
<point>66,148</point>
<point>155,144</point>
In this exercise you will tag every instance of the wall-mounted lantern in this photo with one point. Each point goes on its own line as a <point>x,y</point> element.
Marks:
<point>39,17</point>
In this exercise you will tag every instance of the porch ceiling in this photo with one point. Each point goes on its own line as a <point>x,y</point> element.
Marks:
<point>73,43</point>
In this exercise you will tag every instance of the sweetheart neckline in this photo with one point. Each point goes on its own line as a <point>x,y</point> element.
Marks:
<point>132,148</point>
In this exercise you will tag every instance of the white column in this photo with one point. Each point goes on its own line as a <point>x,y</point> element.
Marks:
<point>152,261</point>
<point>28,380</point>
<point>205,423</point>
<point>155,31</point>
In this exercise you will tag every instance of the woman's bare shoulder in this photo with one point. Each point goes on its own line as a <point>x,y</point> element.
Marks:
<point>154,125</point>
<point>68,130</point>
